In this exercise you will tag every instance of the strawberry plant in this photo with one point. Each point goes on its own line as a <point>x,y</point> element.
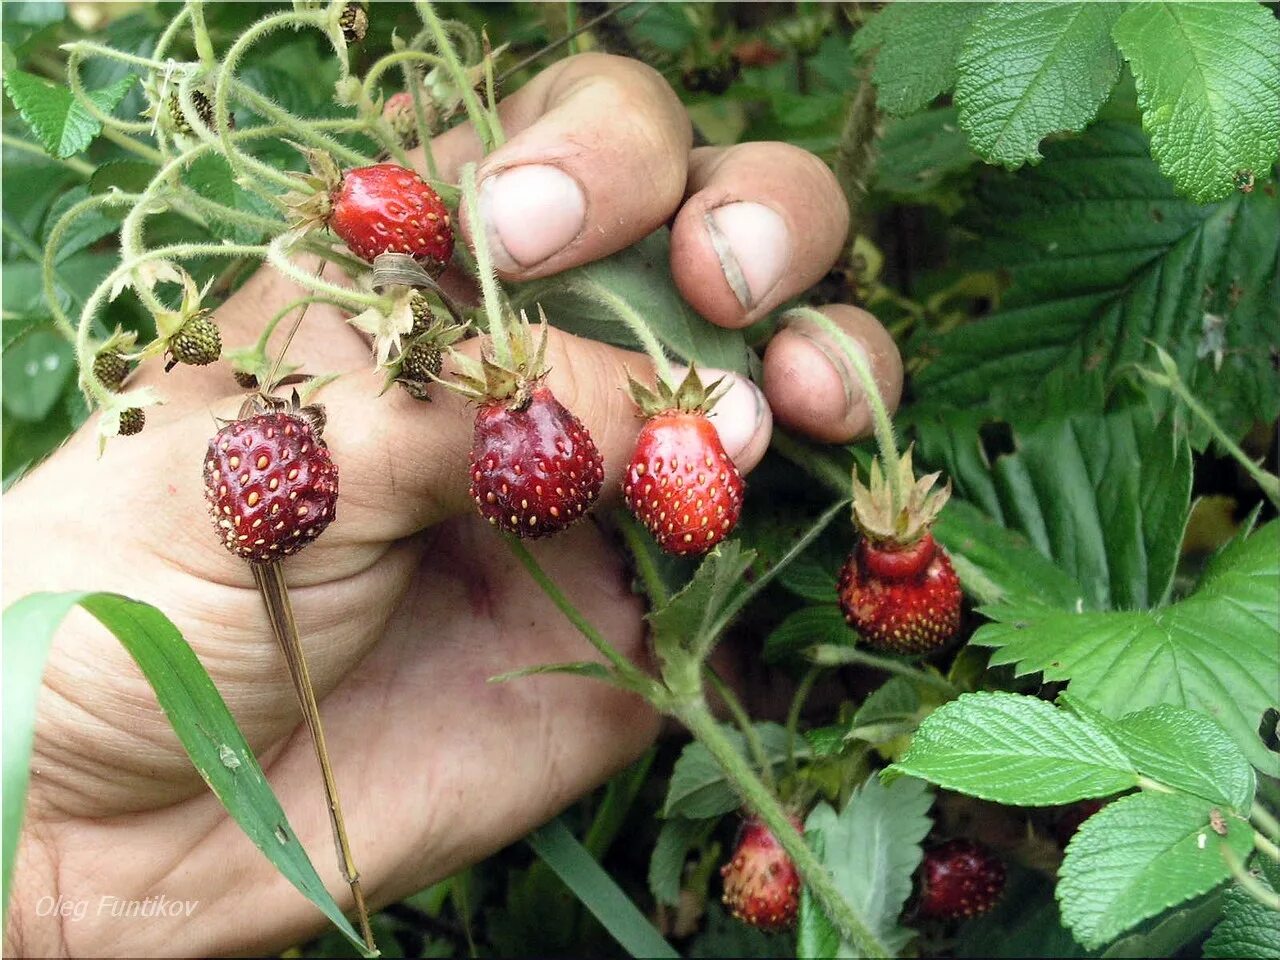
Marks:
<point>969,639</point>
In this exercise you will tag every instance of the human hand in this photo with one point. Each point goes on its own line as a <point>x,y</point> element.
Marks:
<point>408,603</point>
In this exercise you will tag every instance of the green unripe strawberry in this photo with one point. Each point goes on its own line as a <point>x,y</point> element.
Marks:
<point>132,421</point>
<point>198,342</point>
<point>110,367</point>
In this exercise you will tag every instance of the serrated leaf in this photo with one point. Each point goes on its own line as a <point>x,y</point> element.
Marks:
<point>62,125</point>
<point>666,864</point>
<point>917,152</point>
<point>994,562</point>
<point>806,627</point>
<point>1247,928</point>
<point>687,616</point>
<point>918,44</point>
<point>1141,855</point>
<point>872,848</point>
<point>1208,77</point>
<point>698,789</point>
<point>1027,70</point>
<point>1214,651</point>
<point>816,936</point>
<point>1015,750</point>
<point>1105,258</point>
<point>1104,499</point>
<point>1186,750</point>
<point>591,300</point>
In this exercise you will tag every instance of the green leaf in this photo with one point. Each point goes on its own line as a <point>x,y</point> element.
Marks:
<point>579,668</point>
<point>918,44</point>
<point>62,125</point>
<point>806,627</point>
<point>1015,750</point>
<point>723,936</point>
<point>211,176</point>
<point>593,300</point>
<point>190,701</point>
<point>562,851</point>
<point>1208,78</point>
<point>1174,930</point>
<point>1213,652</point>
<point>1247,928</point>
<point>872,849</point>
<point>1104,259</point>
<point>1105,498</point>
<point>698,789</point>
<point>686,618</point>
<point>1141,855</point>
<point>1186,750</point>
<point>918,152</point>
<point>666,865</point>
<point>894,709</point>
<point>88,228</point>
<point>36,369</point>
<point>816,936</point>
<point>1027,70</point>
<point>812,576</point>
<point>994,562</point>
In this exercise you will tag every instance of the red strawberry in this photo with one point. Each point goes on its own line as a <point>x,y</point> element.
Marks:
<point>534,467</point>
<point>960,878</point>
<point>761,884</point>
<point>386,208</point>
<point>898,588</point>
<point>271,486</point>
<point>901,600</point>
<point>680,483</point>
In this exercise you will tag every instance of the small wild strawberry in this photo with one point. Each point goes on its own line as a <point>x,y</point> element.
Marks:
<point>680,483</point>
<point>354,22</point>
<point>271,486</point>
<point>761,883</point>
<point>960,878</point>
<point>534,468</point>
<point>422,356</point>
<point>132,421</point>
<point>110,367</point>
<point>197,342</point>
<point>898,588</point>
<point>398,112</point>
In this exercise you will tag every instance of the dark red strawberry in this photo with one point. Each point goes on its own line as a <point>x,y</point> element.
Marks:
<point>960,878</point>
<point>386,208</point>
<point>902,601</point>
<point>680,483</point>
<point>534,467</point>
<point>761,883</point>
<point>898,588</point>
<point>271,485</point>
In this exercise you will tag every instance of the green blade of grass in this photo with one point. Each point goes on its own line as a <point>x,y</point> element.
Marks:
<point>562,852</point>
<point>191,702</point>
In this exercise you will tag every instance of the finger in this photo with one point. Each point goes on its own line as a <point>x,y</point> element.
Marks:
<point>762,223</point>
<point>811,384</point>
<point>596,160</point>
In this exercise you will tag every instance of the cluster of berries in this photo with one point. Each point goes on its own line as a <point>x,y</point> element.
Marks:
<point>958,879</point>
<point>534,468</point>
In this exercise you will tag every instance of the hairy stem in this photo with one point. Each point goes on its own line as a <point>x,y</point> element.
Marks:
<point>793,713</point>
<point>639,329</point>
<point>765,805</point>
<point>879,412</point>
<point>749,733</point>
<point>498,333</point>
<point>480,118</point>
<point>831,655</point>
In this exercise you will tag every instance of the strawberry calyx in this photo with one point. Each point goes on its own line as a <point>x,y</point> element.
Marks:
<point>691,396</point>
<point>310,205</point>
<point>488,381</point>
<point>891,528</point>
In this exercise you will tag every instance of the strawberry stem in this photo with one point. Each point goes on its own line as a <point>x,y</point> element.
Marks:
<point>489,290</point>
<point>480,118</point>
<point>879,413</point>
<point>636,324</point>
<point>749,733</point>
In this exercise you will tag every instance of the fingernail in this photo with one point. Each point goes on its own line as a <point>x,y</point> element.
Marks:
<point>738,413</point>
<point>753,246</point>
<point>839,361</point>
<point>530,213</point>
